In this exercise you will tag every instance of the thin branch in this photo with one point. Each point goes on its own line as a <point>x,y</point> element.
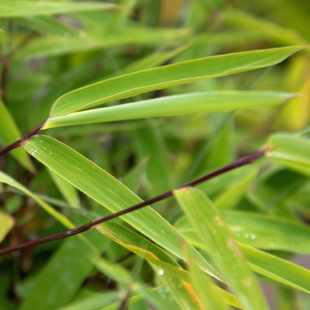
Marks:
<point>238,163</point>
<point>18,143</point>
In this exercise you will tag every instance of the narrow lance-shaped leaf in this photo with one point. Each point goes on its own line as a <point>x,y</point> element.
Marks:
<point>108,191</point>
<point>213,101</point>
<point>293,151</point>
<point>217,237</point>
<point>9,133</point>
<point>268,265</point>
<point>11,8</point>
<point>155,255</point>
<point>262,232</point>
<point>62,219</point>
<point>209,297</point>
<point>186,72</point>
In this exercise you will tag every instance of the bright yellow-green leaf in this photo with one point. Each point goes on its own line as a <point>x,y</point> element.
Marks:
<point>9,133</point>
<point>181,73</point>
<point>6,223</point>
<point>173,105</point>
<point>62,219</point>
<point>215,234</point>
<point>11,8</point>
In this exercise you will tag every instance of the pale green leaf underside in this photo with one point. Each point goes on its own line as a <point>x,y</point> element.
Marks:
<point>182,73</point>
<point>215,235</point>
<point>109,192</point>
<point>213,101</point>
<point>11,8</point>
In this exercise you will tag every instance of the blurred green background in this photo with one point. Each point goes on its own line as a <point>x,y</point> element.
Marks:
<point>46,56</point>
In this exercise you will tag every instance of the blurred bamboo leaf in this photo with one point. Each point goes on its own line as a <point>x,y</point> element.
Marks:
<point>58,216</point>
<point>14,8</point>
<point>64,273</point>
<point>68,191</point>
<point>173,105</point>
<point>9,133</point>
<point>267,28</point>
<point>6,224</point>
<point>93,302</point>
<point>187,72</point>
<point>217,237</point>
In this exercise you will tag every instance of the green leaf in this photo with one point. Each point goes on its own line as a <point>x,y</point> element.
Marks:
<point>268,265</point>
<point>217,237</point>
<point>62,219</point>
<point>86,41</point>
<point>278,269</point>
<point>9,133</point>
<point>109,192</point>
<point>93,302</point>
<point>11,8</point>
<point>64,273</point>
<point>68,191</point>
<point>293,151</point>
<point>209,297</point>
<point>6,224</point>
<point>231,197</point>
<point>262,232</point>
<point>149,142</point>
<point>159,78</point>
<point>173,105</point>
<point>142,247</point>
<point>113,271</point>
<point>267,28</point>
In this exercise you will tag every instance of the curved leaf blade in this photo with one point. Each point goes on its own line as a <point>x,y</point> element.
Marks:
<point>213,101</point>
<point>159,78</point>
<point>109,192</point>
<point>217,237</point>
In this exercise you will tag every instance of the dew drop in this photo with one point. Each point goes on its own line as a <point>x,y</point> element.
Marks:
<point>246,235</point>
<point>252,236</point>
<point>161,272</point>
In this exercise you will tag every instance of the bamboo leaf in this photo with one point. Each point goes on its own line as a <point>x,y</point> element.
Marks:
<point>6,224</point>
<point>291,150</point>
<point>10,181</point>
<point>164,264</point>
<point>268,265</point>
<point>262,232</point>
<point>68,191</point>
<point>173,105</point>
<point>13,8</point>
<point>93,302</point>
<point>217,237</point>
<point>159,78</point>
<point>9,133</point>
<point>209,297</point>
<point>109,192</point>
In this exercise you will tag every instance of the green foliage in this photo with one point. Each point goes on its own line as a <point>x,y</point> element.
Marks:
<point>137,98</point>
